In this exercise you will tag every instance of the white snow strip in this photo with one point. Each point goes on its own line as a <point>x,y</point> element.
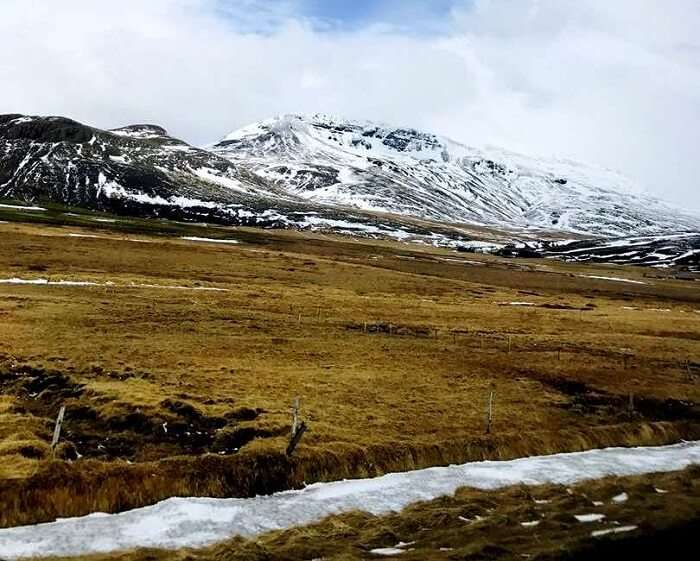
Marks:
<point>47,282</point>
<point>589,517</point>
<point>17,207</point>
<point>517,304</point>
<point>614,279</point>
<point>621,498</point>
<point>192,522</point>
<point>387,551</point>
<point>530,524</point>
<point>87,236</point>
<point>208,240</point>
<point>619,530</point>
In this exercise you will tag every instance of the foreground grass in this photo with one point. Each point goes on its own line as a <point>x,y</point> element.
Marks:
<point>394,350</point>
<point>643,517</point>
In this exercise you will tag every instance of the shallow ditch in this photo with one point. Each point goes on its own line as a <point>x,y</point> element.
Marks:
<point>97,426</point>
<point>586,400</point>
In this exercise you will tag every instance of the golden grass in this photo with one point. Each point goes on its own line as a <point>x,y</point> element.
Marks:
<point>409,390</point>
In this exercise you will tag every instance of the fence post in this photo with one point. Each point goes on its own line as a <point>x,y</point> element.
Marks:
<point>489,414</point>
<point>57,428</point>
<point>298,427</point>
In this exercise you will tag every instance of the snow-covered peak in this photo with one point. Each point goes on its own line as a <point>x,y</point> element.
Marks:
<point>402,170</point>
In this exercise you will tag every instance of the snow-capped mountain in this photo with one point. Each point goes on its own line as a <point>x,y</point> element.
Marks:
<point>408,172</point>
<point>141,170</point>
<point>355,178</point>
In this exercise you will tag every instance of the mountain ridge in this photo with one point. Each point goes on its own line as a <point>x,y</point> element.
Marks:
<point>350,162</point>
<point>348,177</point>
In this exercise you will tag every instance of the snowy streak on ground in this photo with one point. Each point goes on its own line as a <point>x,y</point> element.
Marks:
<point>181,522</point>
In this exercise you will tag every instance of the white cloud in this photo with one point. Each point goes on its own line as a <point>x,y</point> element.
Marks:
<point>614,83</point>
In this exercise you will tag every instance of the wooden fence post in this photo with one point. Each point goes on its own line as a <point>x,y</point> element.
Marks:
<point>298,427</point>
<point>489,414</point>
<point>57,428</point>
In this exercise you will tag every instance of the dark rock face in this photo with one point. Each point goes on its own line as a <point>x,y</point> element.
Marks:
<point>524,251</point>
<point>141,130</point>
<point>61,160</point>
<point>49,129</point>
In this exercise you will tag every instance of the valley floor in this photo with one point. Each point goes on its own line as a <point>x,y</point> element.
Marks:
<point>178,359</point>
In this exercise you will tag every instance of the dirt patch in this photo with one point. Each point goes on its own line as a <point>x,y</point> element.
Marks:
<point>592,402</point>
<point>392,329</point>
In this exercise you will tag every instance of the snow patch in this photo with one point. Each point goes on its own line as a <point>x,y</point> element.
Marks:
<point>614,279</point>
<point>208,240</point>
<point>387,551</point>
<point>619,530</point>
<point>621,498</point>
<point>47,282</point>
<point>586,518</point>
<point>18,207</point>
<point>192,522</point>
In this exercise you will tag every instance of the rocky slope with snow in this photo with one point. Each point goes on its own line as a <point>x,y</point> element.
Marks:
<point>408,172</point>
<point>135,169</point>
<point>140,170</point>
<point>328,174</point>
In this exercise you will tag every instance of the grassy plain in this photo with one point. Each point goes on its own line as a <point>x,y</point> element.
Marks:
<point>173,388</point>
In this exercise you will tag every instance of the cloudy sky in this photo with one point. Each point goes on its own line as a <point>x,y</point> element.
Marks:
<point>611,82</point>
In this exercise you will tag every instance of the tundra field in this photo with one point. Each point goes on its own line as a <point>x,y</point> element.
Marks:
<point>178,360</point>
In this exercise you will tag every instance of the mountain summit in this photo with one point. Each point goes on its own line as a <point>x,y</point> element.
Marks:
<point>408,172</point>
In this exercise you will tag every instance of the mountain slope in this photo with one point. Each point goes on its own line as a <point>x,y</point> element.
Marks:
<point>353,178</point>
<point>62,160</point>
<point>404,171</point>
<point>140,170</point>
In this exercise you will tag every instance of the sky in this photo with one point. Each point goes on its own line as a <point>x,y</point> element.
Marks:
<point>615,83</point>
